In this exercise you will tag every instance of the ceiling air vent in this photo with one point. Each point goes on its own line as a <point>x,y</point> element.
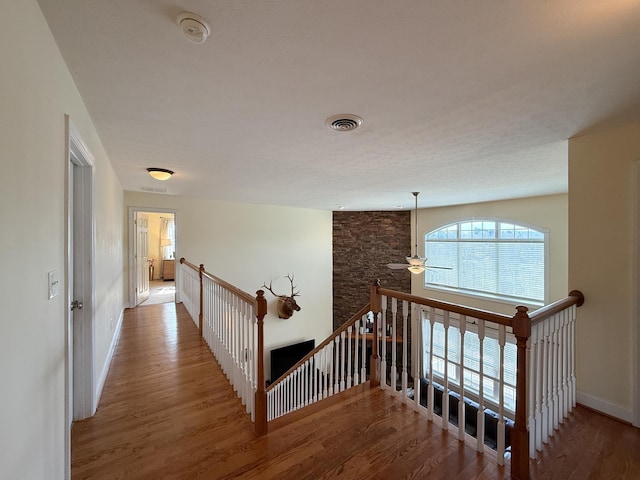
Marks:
<point>344,122</point>
<point>153,190</point>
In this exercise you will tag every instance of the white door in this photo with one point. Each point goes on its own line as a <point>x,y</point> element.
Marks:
<point>79,286</point>
<point>141,256</point>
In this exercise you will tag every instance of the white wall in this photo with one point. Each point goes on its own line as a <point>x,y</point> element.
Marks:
<point>36,90</point>
<point>601,206</point>
<point>247,245</point>
<point>549,212</point>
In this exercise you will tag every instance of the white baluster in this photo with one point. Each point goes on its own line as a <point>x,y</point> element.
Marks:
<point>555,420</point>
<point>342,360</point>
<point>500,447</point>
<point>394,344</point>
<point>383,354</point>
<point>325,391</point>
<point>314,378</point>
<point>564,343</point>
<point>330,354</point>
<point>336,364</point>
<point>315,373</point>
<point>539,382</point>
<point>445,393</point>
<point>356,377</point>
<point>304,382</point>
<point>349,363</point>
<point>532,348</point>
<point>405,344</point>
<point>430,397</point>
<point>572,358</point>
<point>480,418</point>
<point>461,413</point>
<point>363,351</point>
<point>416,348</point>
<point>546,353</point>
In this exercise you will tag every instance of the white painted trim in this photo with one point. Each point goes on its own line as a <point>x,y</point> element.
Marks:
<point>79,342</point>
<point>635,308</point>
<point>605,406</point>
<point>132,266</point>
<point>85,404</point>
<point>107,362</point>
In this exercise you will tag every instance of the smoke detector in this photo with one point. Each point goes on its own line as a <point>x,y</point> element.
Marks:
<point>343,122</point>
<point>194,27</point>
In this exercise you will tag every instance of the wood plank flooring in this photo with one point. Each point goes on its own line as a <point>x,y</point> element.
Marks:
<point>168,412</point>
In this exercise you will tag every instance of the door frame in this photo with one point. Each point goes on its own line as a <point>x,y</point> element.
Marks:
<point>80,400</point>
<point>132,264</point>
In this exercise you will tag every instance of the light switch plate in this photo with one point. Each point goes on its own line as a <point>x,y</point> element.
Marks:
<point>54,284</point>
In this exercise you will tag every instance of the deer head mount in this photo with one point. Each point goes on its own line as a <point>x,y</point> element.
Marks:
<point>287,305</point>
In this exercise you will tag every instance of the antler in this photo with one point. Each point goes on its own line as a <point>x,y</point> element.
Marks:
<point>270,289</point>
<point>293,293</point>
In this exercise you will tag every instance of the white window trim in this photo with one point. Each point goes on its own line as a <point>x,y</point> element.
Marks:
<point>506,299</point>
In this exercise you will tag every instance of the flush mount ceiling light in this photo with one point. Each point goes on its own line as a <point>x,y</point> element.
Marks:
<point>343,122</point>
<point>194,27</point>
<point>160,173</point>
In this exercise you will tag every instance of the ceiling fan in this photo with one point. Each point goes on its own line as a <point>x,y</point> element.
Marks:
<point>415,264</point>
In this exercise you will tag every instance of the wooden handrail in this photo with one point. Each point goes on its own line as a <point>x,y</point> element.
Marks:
<point>189,264</point>
<point>357,316</point>
<point>236,291</point>
<point>575,298</point>
<point>452,307</point>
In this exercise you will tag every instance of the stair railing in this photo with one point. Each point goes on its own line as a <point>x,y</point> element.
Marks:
<point>231,322</point>
<point>387,335</point>
<point>544,376</point>
<point>552,368</point>
<point>337,364</point>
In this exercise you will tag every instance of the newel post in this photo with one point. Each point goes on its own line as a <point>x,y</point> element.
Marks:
<point>374,362</point>
<point>261,395</point>
<point>520,434</point>
<point>201,315</point>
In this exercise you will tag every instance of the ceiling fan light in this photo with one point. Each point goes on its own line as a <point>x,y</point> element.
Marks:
<point>160,173</point>
<point>416,261</point>
<point>416,269</point>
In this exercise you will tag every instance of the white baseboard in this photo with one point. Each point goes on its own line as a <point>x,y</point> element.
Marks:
<point>107,361</point>
<point>605,406</point>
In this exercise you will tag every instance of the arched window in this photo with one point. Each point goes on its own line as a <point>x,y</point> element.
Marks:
<point>488,258</point>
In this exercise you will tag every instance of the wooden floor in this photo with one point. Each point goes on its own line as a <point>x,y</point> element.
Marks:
<point>167,412</point>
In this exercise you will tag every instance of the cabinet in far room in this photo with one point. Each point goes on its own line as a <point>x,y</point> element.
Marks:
<point>168,269</point>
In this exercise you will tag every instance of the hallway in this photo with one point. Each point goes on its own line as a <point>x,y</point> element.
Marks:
<point>168,412</point>
<point>160,291</point>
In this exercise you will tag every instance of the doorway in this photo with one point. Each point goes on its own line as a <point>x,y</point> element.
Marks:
<point>152,255</point>
<point>79,283</point>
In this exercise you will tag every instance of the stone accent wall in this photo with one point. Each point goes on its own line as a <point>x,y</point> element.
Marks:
<point>363,244</point>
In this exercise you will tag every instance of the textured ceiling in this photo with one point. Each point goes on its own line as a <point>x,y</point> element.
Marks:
<point>464,101</point>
